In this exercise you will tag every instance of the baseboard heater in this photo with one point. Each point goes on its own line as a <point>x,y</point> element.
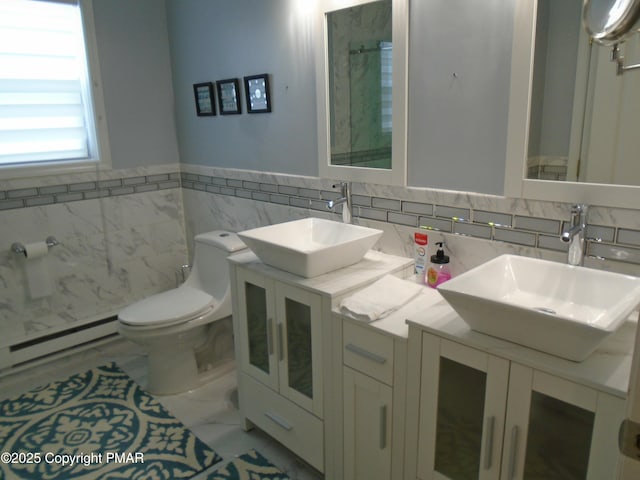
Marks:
<point>60,341</point>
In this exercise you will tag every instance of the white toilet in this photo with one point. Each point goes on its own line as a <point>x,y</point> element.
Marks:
<point>173,325</point>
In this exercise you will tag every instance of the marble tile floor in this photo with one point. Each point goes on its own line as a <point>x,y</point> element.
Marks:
<point>209,411</point>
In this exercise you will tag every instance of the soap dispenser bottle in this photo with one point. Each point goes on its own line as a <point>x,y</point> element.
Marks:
<point>438,271</point>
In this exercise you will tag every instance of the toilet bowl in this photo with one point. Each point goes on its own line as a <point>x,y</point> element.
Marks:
<point>172,326</point>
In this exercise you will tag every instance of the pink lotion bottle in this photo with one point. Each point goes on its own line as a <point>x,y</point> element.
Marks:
<point>438,271</point>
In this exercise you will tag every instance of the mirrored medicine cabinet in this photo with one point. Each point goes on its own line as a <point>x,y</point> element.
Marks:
<point>362,89</point>
<point>572,120</point>
<point>556,74</point>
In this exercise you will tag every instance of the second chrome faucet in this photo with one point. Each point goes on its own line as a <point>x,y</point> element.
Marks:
<point>575,235</point>
<point>344,200</point>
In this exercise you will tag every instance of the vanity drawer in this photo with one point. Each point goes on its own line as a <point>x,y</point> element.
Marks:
<point>298,430</point>
<point>368,351</point>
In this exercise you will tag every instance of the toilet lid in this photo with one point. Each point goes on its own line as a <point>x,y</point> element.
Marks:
<point>168,308</point>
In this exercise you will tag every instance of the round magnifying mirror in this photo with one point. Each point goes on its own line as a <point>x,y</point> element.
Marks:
<point>610,21</point>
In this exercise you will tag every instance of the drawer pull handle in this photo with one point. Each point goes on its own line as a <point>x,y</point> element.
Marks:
<point>365,353</point>
<point>280,342</point>
<point>488,442</point>
<point>383,427</point>
<point>513,453</point>
<point>270,335</point>
<point>278,421</point>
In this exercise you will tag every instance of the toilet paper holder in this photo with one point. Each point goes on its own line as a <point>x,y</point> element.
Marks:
<point>18,247</point>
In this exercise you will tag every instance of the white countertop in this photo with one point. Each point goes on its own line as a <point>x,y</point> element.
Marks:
<point>607,369</point>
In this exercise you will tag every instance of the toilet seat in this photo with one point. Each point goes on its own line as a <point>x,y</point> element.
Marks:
<point>168,308</point>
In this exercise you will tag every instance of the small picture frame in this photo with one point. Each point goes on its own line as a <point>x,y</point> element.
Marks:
<point>257,93</point>
<point>228,96</point>
<point>205,105</point>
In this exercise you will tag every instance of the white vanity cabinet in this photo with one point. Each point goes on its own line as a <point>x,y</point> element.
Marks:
<point>486,417</point>
<point>368,374</point>
<point>285,341</point>
<point>280,361</point>
<point>371,413</point>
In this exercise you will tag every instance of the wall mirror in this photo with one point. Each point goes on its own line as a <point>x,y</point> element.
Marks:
<point>571,118</point>
<point>362,90</point>
<point>611,21</point>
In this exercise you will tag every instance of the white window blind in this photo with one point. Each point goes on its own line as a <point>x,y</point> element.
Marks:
<point>386,75</point>
<point>45,111</point>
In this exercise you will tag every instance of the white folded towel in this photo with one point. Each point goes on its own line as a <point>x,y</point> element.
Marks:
<point>380,298</point>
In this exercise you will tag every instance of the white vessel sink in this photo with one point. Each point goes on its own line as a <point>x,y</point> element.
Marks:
<point>553,307</point>
<point>311,246</point>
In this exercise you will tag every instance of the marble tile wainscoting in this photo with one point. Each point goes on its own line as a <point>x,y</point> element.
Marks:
<point>121,237</point>
<point>474,227</point>
<point>122,233</point>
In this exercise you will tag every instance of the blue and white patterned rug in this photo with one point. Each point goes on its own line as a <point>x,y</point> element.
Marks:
<point>250,466</point>
<point>96,425</point>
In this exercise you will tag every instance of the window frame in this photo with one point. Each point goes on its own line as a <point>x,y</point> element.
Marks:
<point>100,154</point>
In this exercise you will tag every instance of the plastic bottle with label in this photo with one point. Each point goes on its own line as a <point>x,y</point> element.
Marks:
<point>438,271</point>
<point>420,241</point>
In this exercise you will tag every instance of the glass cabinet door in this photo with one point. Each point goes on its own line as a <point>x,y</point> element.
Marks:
<point>299,346</point>
<point>550,427</point>
<point>280,338</point>
<point>257,326</point>
<point>558,441</point>
<point>460,416</point>
<point>300,359</point>
<point>462,420</point>
<point>256,314</point>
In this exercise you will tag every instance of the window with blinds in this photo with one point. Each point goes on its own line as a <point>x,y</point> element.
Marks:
<point>46,114</point>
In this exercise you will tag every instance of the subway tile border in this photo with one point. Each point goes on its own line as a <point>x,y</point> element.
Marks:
<point>78,191</point>
<point>613,243</point>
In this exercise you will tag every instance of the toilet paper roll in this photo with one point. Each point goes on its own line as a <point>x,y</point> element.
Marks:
<point>35,250</point>
<point>37,270</point>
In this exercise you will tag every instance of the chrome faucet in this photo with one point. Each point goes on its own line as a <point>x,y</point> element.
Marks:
<point>344,200</point>
<point>575,235</point>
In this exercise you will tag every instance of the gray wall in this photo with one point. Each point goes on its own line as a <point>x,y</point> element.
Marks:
<point>558,32</point>
<point>459,74</point>
<point>457,127</point>
<point>215,40</point>
<point>133,47</point>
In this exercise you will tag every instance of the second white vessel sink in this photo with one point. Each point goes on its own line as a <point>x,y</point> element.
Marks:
<point>553,307</point>
<point>311,246</point>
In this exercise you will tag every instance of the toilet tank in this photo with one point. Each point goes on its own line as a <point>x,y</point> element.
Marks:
<point>210,271</point>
